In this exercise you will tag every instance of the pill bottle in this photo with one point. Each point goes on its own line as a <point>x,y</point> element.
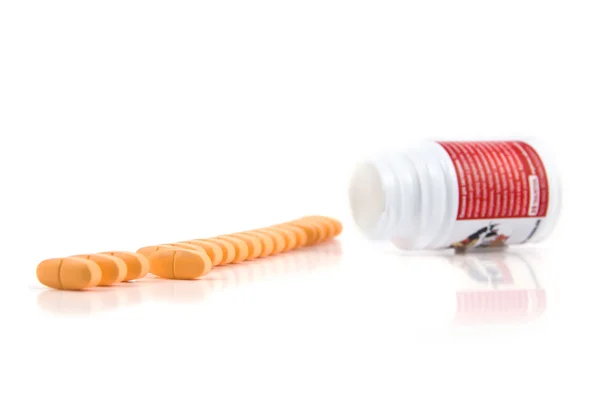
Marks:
<point>457,194</point>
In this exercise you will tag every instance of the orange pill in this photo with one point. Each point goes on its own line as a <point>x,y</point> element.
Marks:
<point>327,225</point>
<point>338,227</point>
<point>254,245</point>
<point>137,265</point>
<point>69,273</point>
<point>313,231</point>
<point>113,268</point>
<point>278,239</point>
<point>241,248</point>
<point>213,250</point>
<point>227,247</point>
<point>148,251</point>
<point>309,230</point>
<point>185,245</point>
<point>301,236</point>
<point>288,236</point>
<point>321,231</point>
<point>267,242</point>
<point>179,263</point>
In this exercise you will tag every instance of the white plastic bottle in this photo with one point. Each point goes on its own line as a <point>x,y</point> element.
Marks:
<point>457,194</point>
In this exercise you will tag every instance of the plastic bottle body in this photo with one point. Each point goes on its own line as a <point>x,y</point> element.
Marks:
<point>447,194</point>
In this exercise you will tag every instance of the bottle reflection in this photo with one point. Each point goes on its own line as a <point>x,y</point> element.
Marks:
<point>498,287</point>
<point>179,291</point>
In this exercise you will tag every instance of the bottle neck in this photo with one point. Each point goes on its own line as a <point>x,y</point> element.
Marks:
<point>384,196</point>
<point>404,197</point>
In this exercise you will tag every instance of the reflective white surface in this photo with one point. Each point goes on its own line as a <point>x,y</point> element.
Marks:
<point>495,287</point>
<point>343,319</point>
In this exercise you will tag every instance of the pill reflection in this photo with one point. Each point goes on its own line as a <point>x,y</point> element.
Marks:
<point>99,299</point>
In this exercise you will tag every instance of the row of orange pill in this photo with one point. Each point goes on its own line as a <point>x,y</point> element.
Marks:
<point>221,279</point>
<point>89,270</point>
<point>194,258</point>
<point>184,260</point>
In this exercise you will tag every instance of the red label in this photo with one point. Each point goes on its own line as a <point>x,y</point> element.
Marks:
<point>498,179</point>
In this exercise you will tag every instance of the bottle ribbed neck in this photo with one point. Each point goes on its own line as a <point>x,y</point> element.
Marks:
<point>384,191</point>
<point>404,196</point>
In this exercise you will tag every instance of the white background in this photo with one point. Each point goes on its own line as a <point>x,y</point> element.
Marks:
<point>127,123</point>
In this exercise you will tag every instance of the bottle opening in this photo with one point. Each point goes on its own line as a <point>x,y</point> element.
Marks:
<point>367,197</point>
